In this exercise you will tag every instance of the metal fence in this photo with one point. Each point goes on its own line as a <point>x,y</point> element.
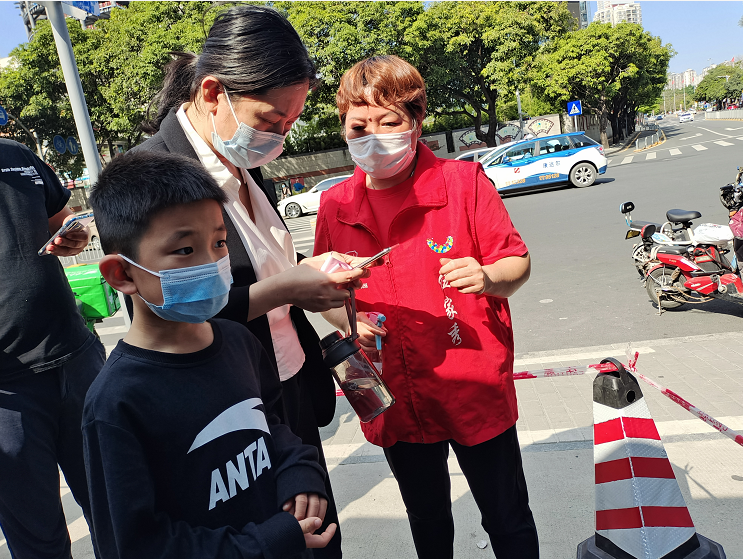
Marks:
<point>89,255</point>
<point>733,114</point>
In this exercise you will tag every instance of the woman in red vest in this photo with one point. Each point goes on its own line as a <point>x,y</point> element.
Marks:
<point>448,342</point>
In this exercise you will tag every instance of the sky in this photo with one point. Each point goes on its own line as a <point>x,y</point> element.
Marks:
<point>698,31</point>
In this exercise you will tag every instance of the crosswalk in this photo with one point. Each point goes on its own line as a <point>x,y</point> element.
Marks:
<point>672,152</point>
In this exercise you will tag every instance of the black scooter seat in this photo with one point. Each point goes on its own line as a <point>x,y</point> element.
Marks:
<point>681,216</point>
<point>672,250</point>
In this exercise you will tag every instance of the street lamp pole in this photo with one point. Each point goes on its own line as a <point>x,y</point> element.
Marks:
<point>74,89</point>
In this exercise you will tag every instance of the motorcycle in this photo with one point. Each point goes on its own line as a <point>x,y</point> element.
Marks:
<point>680,265</point>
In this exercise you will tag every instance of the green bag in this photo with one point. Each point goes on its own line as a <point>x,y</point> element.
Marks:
<point>99,300</point>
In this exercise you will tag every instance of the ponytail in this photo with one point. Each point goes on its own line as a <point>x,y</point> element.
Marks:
<point>250,50</point>
<point>177,85</point>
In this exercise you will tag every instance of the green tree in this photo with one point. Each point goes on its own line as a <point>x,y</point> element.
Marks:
<point>340,34</point>
<point>120,63</point>
<point>32,89</point>
<point>611,69</point>
<point>721,82</point>
<point>471,53</point>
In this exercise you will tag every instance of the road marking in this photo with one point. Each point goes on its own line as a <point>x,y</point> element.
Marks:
<point>627,159</point>
<point>650,156</point>
<point>722,143</point>
<point>699,147</point>
<point>561,357</point>
<point>690,137</point>
<point>609,162</point>
<point>718,133</point>
<point>78,529</point>
<point>674,151</point>
<point>738,128</point>
<point>740,138</point>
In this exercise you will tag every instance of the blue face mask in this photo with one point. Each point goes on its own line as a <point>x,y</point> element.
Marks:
<point>193,294</point>
<point>248,148</point>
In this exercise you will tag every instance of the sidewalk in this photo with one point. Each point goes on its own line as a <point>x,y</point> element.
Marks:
<point>555,430</point>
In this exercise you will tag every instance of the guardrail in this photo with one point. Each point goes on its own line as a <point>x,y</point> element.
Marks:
<point>647,141</point>
<point>89,255</point>
<point>733,114</point>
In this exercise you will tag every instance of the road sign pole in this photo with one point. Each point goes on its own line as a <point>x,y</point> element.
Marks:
<point>74,88</point>
<point>575,123</point>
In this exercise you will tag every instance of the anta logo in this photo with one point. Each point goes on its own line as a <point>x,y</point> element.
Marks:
<point>237,472</point>
<point>242,416</point>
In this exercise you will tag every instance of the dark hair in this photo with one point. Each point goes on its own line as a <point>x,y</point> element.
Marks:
<point>135,186</point>
<point>250,50</point>
<point>384,81</point>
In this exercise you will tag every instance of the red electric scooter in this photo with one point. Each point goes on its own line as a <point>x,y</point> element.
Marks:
<point>679,265</point>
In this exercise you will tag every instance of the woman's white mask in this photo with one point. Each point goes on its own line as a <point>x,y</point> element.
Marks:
<point>248,148</point>
<point>382,156</point>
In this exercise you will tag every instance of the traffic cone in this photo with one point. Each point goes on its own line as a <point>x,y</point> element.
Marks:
<point>640,512</point>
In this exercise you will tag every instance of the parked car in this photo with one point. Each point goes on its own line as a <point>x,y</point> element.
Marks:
<point>295,206</point>
<point>686,117</point>
<point>534,164</point>
<point>659,117</point>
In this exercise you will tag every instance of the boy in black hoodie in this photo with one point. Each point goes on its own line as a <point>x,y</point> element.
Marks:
<point>185,453</point>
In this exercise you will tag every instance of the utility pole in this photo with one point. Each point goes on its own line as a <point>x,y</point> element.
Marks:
<point>518,107</point>
<point>74,88</point>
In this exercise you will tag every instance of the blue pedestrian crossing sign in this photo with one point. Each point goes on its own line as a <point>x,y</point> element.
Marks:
<point>574,108</point>
<point>72,146</point>
<point>3,117</point>
<point>59,144</point>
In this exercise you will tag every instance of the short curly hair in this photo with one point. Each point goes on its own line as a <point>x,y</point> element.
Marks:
<point>384,81</point>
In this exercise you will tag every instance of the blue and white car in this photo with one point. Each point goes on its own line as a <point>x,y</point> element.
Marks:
<point>543,162</point>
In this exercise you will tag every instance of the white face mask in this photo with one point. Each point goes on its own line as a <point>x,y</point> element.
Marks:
<point>248,148</point>
<point>382,156</point>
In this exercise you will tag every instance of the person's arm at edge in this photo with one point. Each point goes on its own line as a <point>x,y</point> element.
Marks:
<point>507,275</point>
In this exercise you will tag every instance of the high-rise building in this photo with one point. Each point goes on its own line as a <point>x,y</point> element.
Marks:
<point>31,12</point>
<point>614,11</point>
<point>579,10</point>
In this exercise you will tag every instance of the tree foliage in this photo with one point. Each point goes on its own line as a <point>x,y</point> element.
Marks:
<point>120,63</point>
<point>471,53</point>
<point>721,82</point>
<point>611,69</point>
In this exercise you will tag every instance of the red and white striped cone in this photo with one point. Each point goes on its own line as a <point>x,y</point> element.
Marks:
<point>640,512</point>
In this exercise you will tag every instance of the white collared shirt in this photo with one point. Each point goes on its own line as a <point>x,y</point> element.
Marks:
<point>267,242</point>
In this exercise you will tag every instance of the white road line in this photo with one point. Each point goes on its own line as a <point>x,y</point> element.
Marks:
<point>609,162</point>
<point>723,143</point>
<point>738,128</point>
<point>718,133</point>
<point>650,156</point>
<point>699,147</point>
<point>690,137</point>
<point>627,159</point>
<point>674,151</point>
<point>741,138</point>
<point>78,529</point>
<point>112,330</point>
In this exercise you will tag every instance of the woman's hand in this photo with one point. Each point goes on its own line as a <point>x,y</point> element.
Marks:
<point>465,274</point>
<point>367,330</point>
<point>315,291</point>
<point>317,261</point>
<point>499,279</point>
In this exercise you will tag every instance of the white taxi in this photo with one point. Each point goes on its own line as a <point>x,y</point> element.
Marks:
<point>546,161</point>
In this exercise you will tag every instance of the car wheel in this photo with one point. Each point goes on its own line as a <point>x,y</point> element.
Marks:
<point>95,242</point>
<point>293,210</point>
<point>582,175</point>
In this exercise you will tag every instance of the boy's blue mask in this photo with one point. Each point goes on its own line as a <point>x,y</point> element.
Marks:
<point>194,294</point>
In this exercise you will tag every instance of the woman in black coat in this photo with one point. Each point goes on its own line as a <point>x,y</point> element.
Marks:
<point>230,108</point>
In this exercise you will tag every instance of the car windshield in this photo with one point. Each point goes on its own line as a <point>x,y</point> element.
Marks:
<point>582,141</point>
<point>327,183</point>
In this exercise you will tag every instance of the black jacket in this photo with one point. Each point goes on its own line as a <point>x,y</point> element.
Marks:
<point>172,139</point>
